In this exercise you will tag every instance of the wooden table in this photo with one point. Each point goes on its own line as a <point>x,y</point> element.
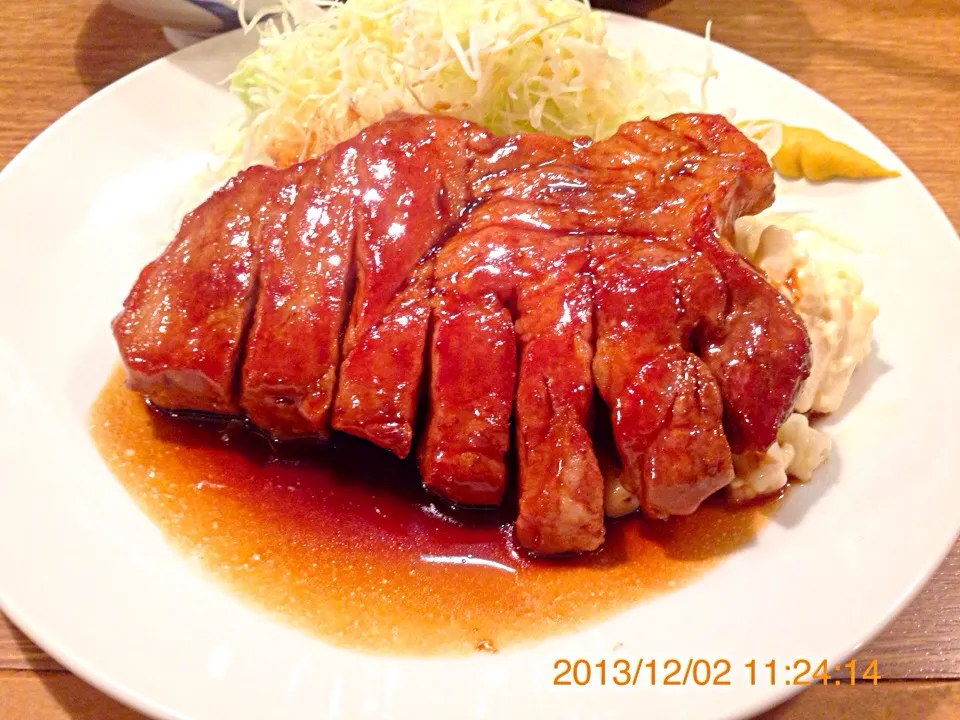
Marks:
<point>894,65</point>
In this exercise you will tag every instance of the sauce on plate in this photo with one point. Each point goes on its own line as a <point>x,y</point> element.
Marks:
<point>343,542</point>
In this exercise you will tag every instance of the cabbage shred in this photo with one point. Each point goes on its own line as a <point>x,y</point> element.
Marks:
<point>325,70</point>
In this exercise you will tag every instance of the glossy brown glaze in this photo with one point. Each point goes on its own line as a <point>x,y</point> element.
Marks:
<point>343,543</point>
<point>412,187</point>
<point>181,329</point>
<point>540,268</point>
<point>380,376</point>
<point>472,369</point>
<point>292,352</point>
<point>560,487</point>
<point>666,410</point>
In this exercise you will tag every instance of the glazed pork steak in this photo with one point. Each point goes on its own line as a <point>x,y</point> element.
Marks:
<point>500,282</point>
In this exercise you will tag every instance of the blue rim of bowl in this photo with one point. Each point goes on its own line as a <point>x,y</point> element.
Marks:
<point>229,17</point>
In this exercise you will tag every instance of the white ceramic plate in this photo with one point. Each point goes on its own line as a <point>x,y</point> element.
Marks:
<point>87,576</point>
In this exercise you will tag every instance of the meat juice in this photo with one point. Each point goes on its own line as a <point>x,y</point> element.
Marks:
<point>342,541</point>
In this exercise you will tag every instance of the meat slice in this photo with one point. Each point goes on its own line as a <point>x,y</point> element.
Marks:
<point>712,174</point>
<point>691,176</point>
<point>518,166</point>
<point>182,326</point>
<point>649,180</point>
<point>293,350</point>
<point>380,377</point>
<point>759,350</point>
<point>651,295</point>
<point>683,181</point>
<point>473,358</point>
<point>412,186</point>
<point>486,275</point>
<point>560,485</point>
<point>732,172</point>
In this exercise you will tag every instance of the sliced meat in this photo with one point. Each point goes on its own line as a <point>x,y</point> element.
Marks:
<point>691,176</point>
<point>380,377</point>
<point>473,358</point>
<point>412,186</point>
<point>486,275</point>
<point>517,166</point>
<point>182,326</point>
<point>293,350</point>
<point>559,480</point>
<point>651,180</point>
<point>759,350</point>
<point>651,295</point>
<point>737,178</point>
<point>507,257</point>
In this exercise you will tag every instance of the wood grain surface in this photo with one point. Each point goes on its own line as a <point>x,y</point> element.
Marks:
<point>893,65</point>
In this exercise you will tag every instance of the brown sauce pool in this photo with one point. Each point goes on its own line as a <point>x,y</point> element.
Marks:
<point>343,542</point>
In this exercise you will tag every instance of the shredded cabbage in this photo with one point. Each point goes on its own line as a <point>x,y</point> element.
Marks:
<point>325,70</point>
<point>767,134</point>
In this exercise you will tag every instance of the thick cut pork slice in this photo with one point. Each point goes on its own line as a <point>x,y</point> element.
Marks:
<point>560,485</point>
<point>182,326</point>
<point>473,358</point>
<point>651,294</point>
<point>712,174</point>
<point>293,351</point>
<point>759,351</point>
<point>653,180</point>
<point>380,377</point>
<point>412,187</point>
<point>709,174</point>
<point>484,277</point>
<point>498,267</point>
<point>684,181</point>
<point>733,172</point>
